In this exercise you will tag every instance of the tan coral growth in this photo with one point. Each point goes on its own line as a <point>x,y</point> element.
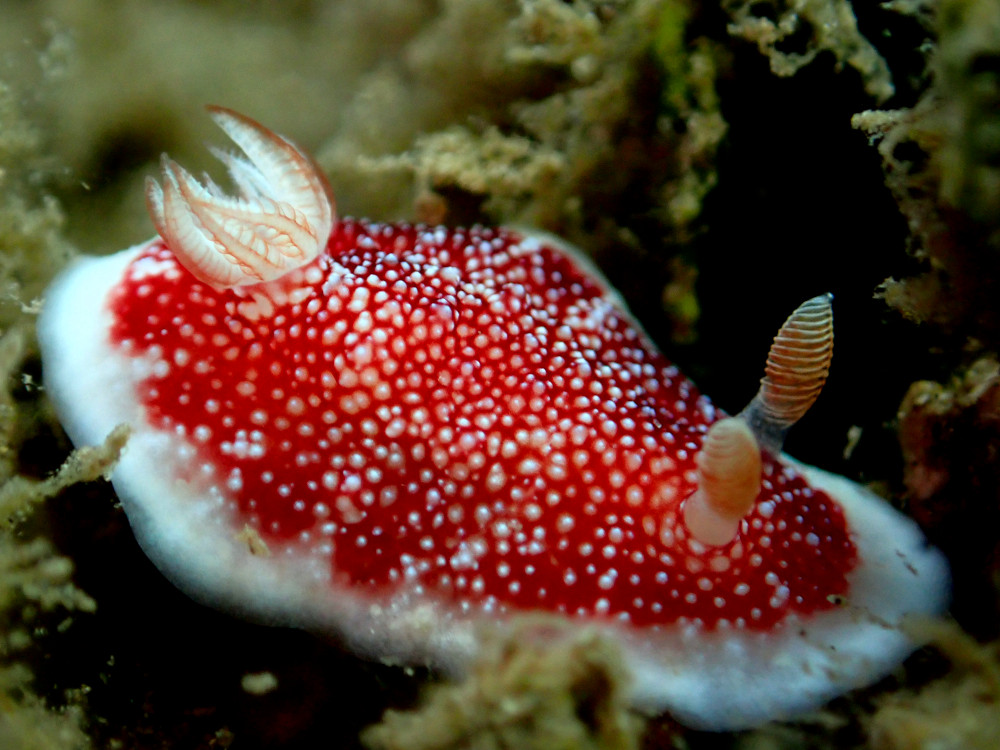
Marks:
<point>830,26</point>
<point>599,121</point>
<point>34,577</point>
<point>537,120</point>
<point>36,582</point>
<point>541,686</point>
<point>31,247</point>
<point>940,159</point>
<point>960,711</point>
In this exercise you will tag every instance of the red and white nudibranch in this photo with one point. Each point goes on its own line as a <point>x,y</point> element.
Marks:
<point>429,428</point>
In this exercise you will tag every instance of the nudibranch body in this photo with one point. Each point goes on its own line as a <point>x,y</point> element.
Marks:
<point>398,433</point>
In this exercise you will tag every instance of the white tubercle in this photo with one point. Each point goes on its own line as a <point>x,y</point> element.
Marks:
<point>280,222</point>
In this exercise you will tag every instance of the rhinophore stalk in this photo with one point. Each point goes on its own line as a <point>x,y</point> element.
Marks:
<point>729,463</point>
<point>797,367</point>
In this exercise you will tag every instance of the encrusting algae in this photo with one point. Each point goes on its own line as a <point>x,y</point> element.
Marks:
<point>611,123</point>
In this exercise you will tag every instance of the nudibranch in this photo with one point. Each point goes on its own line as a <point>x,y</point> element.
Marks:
<point>399,432</point>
